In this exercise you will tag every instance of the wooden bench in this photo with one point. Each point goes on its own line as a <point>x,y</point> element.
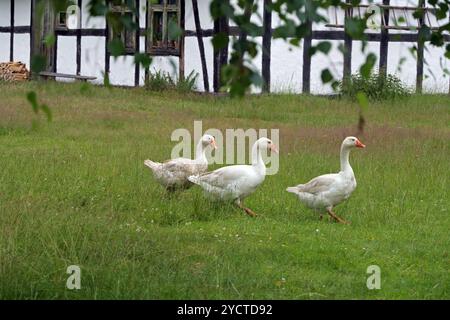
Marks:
<point>47,75</point>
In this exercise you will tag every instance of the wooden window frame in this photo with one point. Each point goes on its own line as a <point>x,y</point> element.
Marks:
<point>58,24</point>
<point>122,9</point>
<point>163,49</point>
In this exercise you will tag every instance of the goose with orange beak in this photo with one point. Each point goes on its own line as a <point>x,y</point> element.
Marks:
<point>324,192</point>
<point>173,174</point>
<point>235,183</point>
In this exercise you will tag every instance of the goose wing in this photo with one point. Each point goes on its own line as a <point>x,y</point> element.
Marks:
<point>319,184</point>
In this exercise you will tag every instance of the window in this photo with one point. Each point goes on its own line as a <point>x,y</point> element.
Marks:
<point>121,12</point>
<point>162,16</point>
<point>61,21</point>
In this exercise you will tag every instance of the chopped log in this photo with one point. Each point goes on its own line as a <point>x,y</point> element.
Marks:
<point>13,71</point>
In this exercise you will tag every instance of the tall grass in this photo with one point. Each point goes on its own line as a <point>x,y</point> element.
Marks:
<point>75,192</point>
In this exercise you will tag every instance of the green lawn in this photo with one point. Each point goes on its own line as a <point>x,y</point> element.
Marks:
<point>75,192</point>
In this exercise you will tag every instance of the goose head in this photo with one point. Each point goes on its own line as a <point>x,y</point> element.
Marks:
<point>208,140</point>
<point>352,142</point>
<point>266,144</point>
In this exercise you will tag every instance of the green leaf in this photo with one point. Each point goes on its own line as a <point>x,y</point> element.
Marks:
<point>174,31</point>
<point>220,41</point>
<point>47,111</point>
<point>142,59</point>
<point>326,76</point>
<point>116,47</point>
<point>49,40</point>
<point>367,66</point>
<point>324,46</point>
<point>32,99</point>
<point>362,100</point>
<point>37,63</point>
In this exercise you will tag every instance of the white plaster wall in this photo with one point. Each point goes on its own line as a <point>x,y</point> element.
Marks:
<point>122,71</point>
<point>91,22</point>
<point>22,11</point>
<point>66,56</point>
<point>4,37</point>
<point>22,48</point>
<point>92,57</point>
<point>5,13</point>
<point>4,47</point>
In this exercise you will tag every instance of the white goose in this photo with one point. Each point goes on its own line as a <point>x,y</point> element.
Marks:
<point>234,183</point>
<point>173,174</point>
<point>326,191</point>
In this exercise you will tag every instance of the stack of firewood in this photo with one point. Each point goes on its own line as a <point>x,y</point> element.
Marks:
<point>13,71</point>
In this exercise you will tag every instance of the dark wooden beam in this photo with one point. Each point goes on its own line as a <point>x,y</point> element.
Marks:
<point>420,49</point>
<point>145,32</point>
<point>216,60</point>
<point>328,35</point>
<point>107,54</point>
<point>266,45</point>
<point>32,7</point>
<point>16,29</point>
<point>80,5</point>
<point>347,71</point>
<point>223,59</point>
<point>384,41</point>
<point>11,37</point>
<point>201,46</point>
<point>138,41</point>
<point>181,61</point>
<point>306,74</point>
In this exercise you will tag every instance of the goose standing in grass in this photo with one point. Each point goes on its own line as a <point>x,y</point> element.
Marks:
<point>326,191</point>
<point>234,183</point>
<point>173,174</point>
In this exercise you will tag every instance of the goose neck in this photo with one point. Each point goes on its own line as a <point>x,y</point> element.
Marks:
<point>345,155</point>
<point>200,152</point>
<point>257,160</point>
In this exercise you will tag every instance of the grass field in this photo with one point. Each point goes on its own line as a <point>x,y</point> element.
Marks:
<point>75,192</point>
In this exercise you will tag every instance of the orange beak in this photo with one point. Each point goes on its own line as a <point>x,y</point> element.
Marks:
<point>274,148</point>
<point>359,144</point>
<point>213,144</point>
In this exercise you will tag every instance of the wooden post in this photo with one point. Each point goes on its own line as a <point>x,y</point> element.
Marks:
<point>266,45</point>
<point>31,35</point>
<point>384,41</point>
<point>216,61</point>
<point>181,60</point>
<point>306,76</point>
<point>147,70</point>
<point>347,46</point>
<point>201,47</point>
<point>80,5</point>
<point>107,54</point>
<point>138,42</point>
<point>420,49</point>
<point>224,27</point>
<point>42,26</point>
<point>220,56</point>
<point>11,39</point>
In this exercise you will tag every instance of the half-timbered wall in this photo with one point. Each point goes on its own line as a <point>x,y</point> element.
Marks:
<point>286,66</point>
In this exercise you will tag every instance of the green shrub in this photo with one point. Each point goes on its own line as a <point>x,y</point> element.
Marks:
<point>162,81</point>
<point>376,87</point>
